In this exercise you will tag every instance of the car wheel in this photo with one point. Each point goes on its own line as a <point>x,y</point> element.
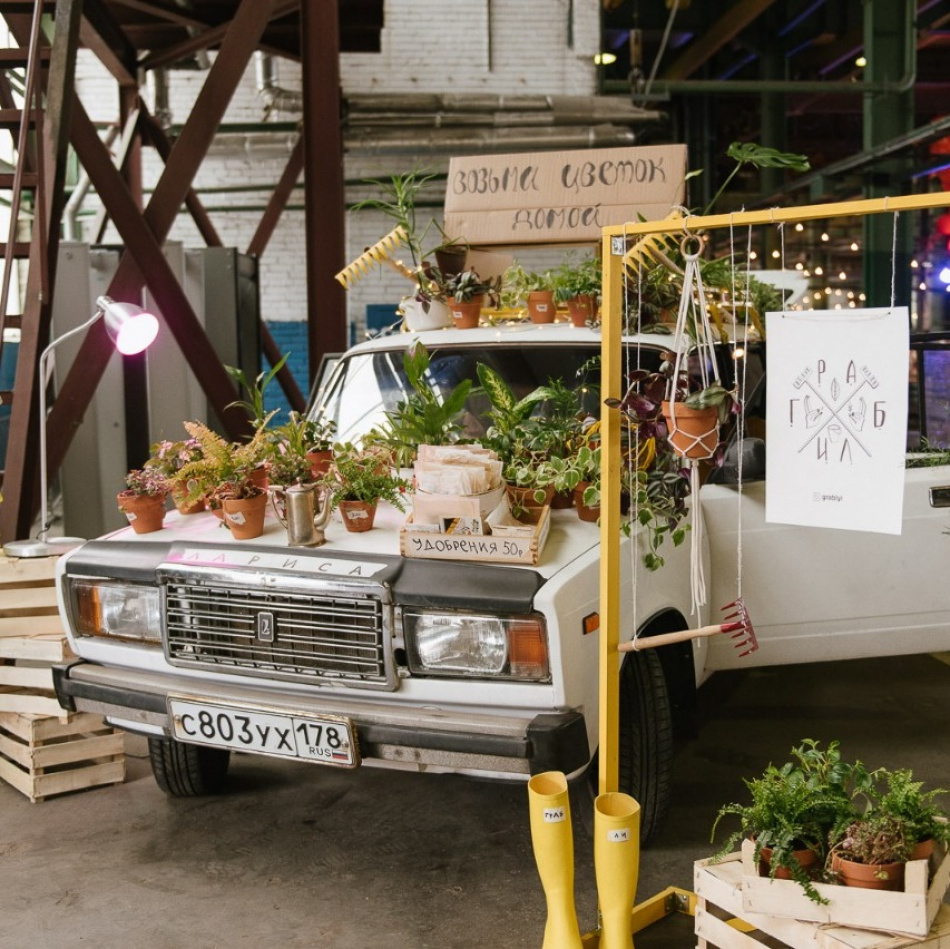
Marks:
<point>183,770</point>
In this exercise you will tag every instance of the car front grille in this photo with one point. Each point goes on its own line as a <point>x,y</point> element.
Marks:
<point>327,634</point>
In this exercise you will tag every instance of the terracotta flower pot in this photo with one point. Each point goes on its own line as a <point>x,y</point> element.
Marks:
<point>869,876</point>
<point>319,462</point>
<point>585,513</point>
<point>259,477</point>
<point>245,516</point>
<point>467,315</point>
<point>693,433</point>
<point>806,859</point>
<point>451,261</point>
<point>357,516</point>
<point>519,497</point>
<point>541,306</point>
<point>562,500</point>
<point>145,513</point>
<point>583,309</point>
<point>180,495</point>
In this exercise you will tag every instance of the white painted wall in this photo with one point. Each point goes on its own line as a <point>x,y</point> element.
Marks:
<point>427,46</point>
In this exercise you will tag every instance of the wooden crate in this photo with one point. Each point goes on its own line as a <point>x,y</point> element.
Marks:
<point>41,755</point>
<point>31,636</point>
<point>490,548</point>
<point>720,888</point>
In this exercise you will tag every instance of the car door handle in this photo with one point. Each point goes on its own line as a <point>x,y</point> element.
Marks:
<point>940,496</point>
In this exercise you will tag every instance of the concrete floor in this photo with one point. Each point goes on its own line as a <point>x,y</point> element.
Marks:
<point>300,856</point>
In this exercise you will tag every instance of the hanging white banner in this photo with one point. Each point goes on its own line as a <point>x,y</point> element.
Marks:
<point>836,413</point>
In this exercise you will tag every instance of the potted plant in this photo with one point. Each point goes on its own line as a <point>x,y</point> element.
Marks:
<point>578,284</point>
<point>254,391</point>
<point>424,308</point>
<point>468,293</point>
<point>143,500</point>
<point>422,418</point>
<point>901,822</point>
<point>531,289</point>
<point>793,811</point>
<point>169,458</point>
<point>301,438</point>
<point>358,480</point>
<point>226,472</point>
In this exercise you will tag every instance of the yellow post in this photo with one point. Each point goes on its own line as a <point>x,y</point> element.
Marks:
<point>610,464</point>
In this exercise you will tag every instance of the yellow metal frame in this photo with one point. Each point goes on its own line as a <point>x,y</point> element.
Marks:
<point>612,387</point>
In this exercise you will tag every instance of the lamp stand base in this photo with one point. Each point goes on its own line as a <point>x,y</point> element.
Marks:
<point>51,547</point>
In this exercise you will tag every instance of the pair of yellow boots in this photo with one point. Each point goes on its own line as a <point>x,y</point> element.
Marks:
<point>616,861</point>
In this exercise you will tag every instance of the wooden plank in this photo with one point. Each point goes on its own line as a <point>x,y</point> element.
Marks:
<point>80,749</point>
<point>42,647</point>
<point>78,779</point>
<point>27,677</point>
<point>33,727</point>
<point>29,601</point>
<point>15,570</point>
<point>11,701</point>
<point>720,934</point>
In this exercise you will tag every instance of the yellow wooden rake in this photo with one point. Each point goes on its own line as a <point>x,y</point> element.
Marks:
<point>379,253</point>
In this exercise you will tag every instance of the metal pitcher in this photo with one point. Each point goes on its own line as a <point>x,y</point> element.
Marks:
<point>300,510</point>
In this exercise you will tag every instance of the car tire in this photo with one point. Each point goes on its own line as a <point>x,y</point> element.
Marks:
<point>183,770</point>
<point>645,740</point>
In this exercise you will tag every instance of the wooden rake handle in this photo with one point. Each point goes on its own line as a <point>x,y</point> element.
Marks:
<point>667,639</point>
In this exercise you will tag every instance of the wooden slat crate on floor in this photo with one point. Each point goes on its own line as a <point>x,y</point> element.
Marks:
<point>41,755</point>
<point>719,891</point>
<point>44,750</point>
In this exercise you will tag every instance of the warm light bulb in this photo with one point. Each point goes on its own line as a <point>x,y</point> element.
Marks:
<point>861,62</point>
<point>824,236</point>
<point>854,245</point>
<point>137,334</point>
<point>799,226</point>
<point>753,255</point>
<point>604,59</point>
<point>799,266</point>
<point>914,263</point>
<point>819,271</point>
<point>921,285</point>
<point>775,255</point>
<point>842,275</point>
<point>944,275</point>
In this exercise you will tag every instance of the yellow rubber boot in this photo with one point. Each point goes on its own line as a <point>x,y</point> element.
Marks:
<point>553,842</point>
<point>616,866</point>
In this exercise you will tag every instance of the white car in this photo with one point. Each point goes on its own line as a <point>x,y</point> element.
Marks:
<point>350,654</point>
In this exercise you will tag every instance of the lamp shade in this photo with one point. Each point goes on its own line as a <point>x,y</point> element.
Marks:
<point>131,328</point>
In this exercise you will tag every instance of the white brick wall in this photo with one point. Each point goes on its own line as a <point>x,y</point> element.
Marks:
<point>427,46</point>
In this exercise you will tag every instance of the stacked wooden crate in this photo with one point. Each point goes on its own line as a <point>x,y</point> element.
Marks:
<point>44,750</point>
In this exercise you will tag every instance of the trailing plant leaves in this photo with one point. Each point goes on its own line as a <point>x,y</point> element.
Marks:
<point>764,157</point>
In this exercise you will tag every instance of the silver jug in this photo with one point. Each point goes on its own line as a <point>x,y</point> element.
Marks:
<point>303,512</point>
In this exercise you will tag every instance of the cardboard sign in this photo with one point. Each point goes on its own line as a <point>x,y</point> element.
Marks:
<point>837,418</point>
<point>562,197</point>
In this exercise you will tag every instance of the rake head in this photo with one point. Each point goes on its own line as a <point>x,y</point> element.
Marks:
<point>739,625</point>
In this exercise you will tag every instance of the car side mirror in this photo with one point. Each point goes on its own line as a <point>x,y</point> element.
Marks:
<point>753,461</point>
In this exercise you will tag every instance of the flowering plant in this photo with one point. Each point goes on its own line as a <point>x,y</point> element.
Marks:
<point>146,482</point>
<point>170,457</point>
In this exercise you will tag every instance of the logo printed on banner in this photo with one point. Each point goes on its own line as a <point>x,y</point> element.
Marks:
<point>837,418</point>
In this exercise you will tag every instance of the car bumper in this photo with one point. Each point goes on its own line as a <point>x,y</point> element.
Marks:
<point>449,740</point>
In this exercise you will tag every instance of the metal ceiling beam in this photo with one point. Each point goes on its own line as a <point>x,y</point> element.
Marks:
<point>21,476</point>
<point>158,275</point>
<point>239,43</point>
<point>207,38</point>
<point>724,29</point>
<point>325,223</point>
<point>101,34</point>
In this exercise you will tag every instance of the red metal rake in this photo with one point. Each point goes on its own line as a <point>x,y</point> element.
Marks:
<point>737,623</point>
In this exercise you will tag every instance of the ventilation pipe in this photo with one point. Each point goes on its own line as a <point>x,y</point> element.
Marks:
<point>275,99</point>
<point>161,110</point>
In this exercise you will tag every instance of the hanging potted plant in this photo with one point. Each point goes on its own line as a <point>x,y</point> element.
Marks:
<point>358,481</point>
<point>143,500</point>
<point>578,285</point>
<point>468,293</point>
<point>169,458</point>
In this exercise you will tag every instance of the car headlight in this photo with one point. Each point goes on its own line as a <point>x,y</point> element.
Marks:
<point>469,644</point>
<point>128,611</point>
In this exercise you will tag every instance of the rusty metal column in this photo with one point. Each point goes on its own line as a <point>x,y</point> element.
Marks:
<point>323,179</point>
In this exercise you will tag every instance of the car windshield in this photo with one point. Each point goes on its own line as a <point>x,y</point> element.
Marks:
<point>367,385</point>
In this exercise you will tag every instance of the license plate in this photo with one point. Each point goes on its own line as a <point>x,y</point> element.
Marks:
<point>323,738</point>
